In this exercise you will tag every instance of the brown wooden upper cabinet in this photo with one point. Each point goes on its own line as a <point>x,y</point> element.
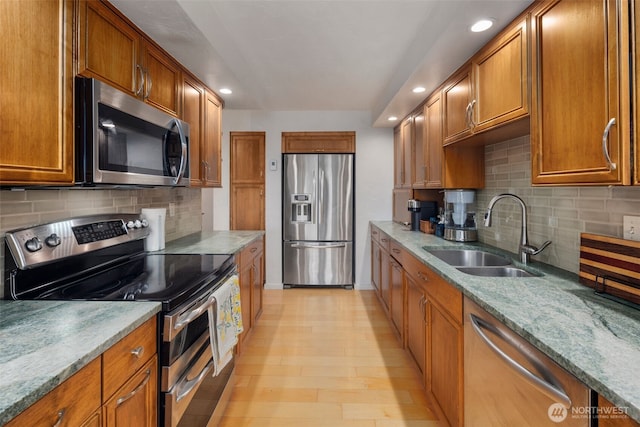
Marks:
<point>403,154</point>
<point>580,130</point>
<point>458,101</point>
<point>202,110</point>
<point>490,91</point>
<point>36,33</point>
<point>111,49</point>
<point>319,142</point>
<point>501,75</point>
<point>636,90</point>
<point>450,166</point>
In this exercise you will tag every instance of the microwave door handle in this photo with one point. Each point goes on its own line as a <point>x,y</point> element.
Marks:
<point>183,159</point>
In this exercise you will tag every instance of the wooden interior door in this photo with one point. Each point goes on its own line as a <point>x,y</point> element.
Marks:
<point>247,180</point>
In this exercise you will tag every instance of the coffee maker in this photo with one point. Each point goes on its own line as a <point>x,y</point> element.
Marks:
<point>460,216</point>
<point>421,210</point>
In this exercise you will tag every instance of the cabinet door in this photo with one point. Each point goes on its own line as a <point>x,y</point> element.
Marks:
<point>36,82</point>
<point>162,79</point>
<point>398,158</point>
<point>445,358</point>
<point>257,285</point>
<point>109,48</point>
<point>416,331</point>
<point>247,153</point>
<point>135,403</point>
<point>250,201</point>
<point>619,417</point>
<point>212,148</point>
<point>385,280</point>
<point>193,104</point>
<point>397,298</point>
<point>501,73</point>
<point>419,147</point>
<point>457,98</point>
<point>578,94</point>
<point>375,266</point>
<point>244,276</point>
<point>433,141</point>
<point>635,73</point>
<point>407,153</point>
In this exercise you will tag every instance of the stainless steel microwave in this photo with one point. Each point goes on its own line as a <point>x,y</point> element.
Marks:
<point>120,140</point>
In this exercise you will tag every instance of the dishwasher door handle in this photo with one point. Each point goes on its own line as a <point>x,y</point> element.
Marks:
<point>554,391</point>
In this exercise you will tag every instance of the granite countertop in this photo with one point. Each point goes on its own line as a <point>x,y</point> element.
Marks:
<point>43,343</point>
<point>212,242</point>
<point>595,339</point>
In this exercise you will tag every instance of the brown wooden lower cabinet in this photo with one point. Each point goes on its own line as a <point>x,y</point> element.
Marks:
<point>611,416</point>
<point>431,310</point>
<point>117,388</point>
<point>416,322</point>
<point>251,276</point>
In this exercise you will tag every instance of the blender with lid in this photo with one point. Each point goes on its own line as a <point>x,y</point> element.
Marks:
<point>460,216</point>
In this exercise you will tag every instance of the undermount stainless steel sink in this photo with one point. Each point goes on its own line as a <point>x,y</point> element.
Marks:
<point>469,257</point>
<point>496,271</point>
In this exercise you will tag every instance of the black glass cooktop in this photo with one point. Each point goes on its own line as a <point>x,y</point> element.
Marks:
<point>167,278</point>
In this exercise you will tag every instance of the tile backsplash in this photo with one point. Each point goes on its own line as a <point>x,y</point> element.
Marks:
<point>30,207</point>
<point>558,214</point>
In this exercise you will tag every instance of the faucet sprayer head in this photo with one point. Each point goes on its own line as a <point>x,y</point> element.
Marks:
<point>487,218</point>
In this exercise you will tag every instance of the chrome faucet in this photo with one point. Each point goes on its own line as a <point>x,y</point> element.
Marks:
<point>526,250</point>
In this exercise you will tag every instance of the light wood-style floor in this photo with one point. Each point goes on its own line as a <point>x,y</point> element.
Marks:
<point>325,357</point>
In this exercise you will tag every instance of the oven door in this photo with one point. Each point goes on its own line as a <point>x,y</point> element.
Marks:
<point>125,141</point>
<point>195,398</point>
<point>191,392</point>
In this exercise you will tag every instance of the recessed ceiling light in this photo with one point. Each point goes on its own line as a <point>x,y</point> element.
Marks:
<point>392,118</point>
<point>482,25</point>
<point>418,89</point>
<point>226,91</point>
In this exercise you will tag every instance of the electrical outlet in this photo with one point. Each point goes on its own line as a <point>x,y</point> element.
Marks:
<point>172,209</point>
<point>631,227</point>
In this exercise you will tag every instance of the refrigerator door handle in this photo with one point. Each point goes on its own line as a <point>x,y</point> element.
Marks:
<point>320,194</point>
<point>316,246</point>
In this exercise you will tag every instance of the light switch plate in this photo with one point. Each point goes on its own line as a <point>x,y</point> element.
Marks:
<point>631,227</point>
<point>273,165</point>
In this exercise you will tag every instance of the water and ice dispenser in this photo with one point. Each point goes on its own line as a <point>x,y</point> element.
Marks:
<point>301,208</point>
<point>460,216</point>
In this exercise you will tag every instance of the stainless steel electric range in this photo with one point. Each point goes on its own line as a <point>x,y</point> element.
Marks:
<point>102,257</point>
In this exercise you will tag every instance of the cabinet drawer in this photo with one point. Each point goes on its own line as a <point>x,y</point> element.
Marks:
<point>375,234</point>
<point>71,403</point>
<point>445,295</point>
<point>438,290</point>
<point>250,251</point>
<point>396,251</point>
<point>127,356</point>
<point>385,240</point>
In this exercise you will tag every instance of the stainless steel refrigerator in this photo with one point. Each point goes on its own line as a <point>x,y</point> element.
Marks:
<point>317,220</point>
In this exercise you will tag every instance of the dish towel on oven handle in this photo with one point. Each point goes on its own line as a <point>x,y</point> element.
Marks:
<point>225,322</point>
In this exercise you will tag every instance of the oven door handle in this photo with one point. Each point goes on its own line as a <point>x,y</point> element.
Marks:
<point>193,314</point>
<point>184,388</point>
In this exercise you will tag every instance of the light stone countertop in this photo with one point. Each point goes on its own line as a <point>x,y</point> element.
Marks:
<point>43,343</point>
<point>595,339</point>
<point>212,242</point>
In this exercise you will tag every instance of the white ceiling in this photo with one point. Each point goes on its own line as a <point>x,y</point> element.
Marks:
<point>311,55</point>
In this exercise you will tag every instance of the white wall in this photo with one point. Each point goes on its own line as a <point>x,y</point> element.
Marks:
<point>374,176</point>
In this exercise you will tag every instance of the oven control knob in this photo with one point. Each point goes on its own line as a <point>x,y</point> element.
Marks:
<point>145,223</point>
<point>137,224</point>
<point>53,240</point>
<point>130,224</point>
<point>33,245</point>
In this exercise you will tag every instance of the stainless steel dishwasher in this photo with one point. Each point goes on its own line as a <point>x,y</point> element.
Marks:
<point>508,382</point>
